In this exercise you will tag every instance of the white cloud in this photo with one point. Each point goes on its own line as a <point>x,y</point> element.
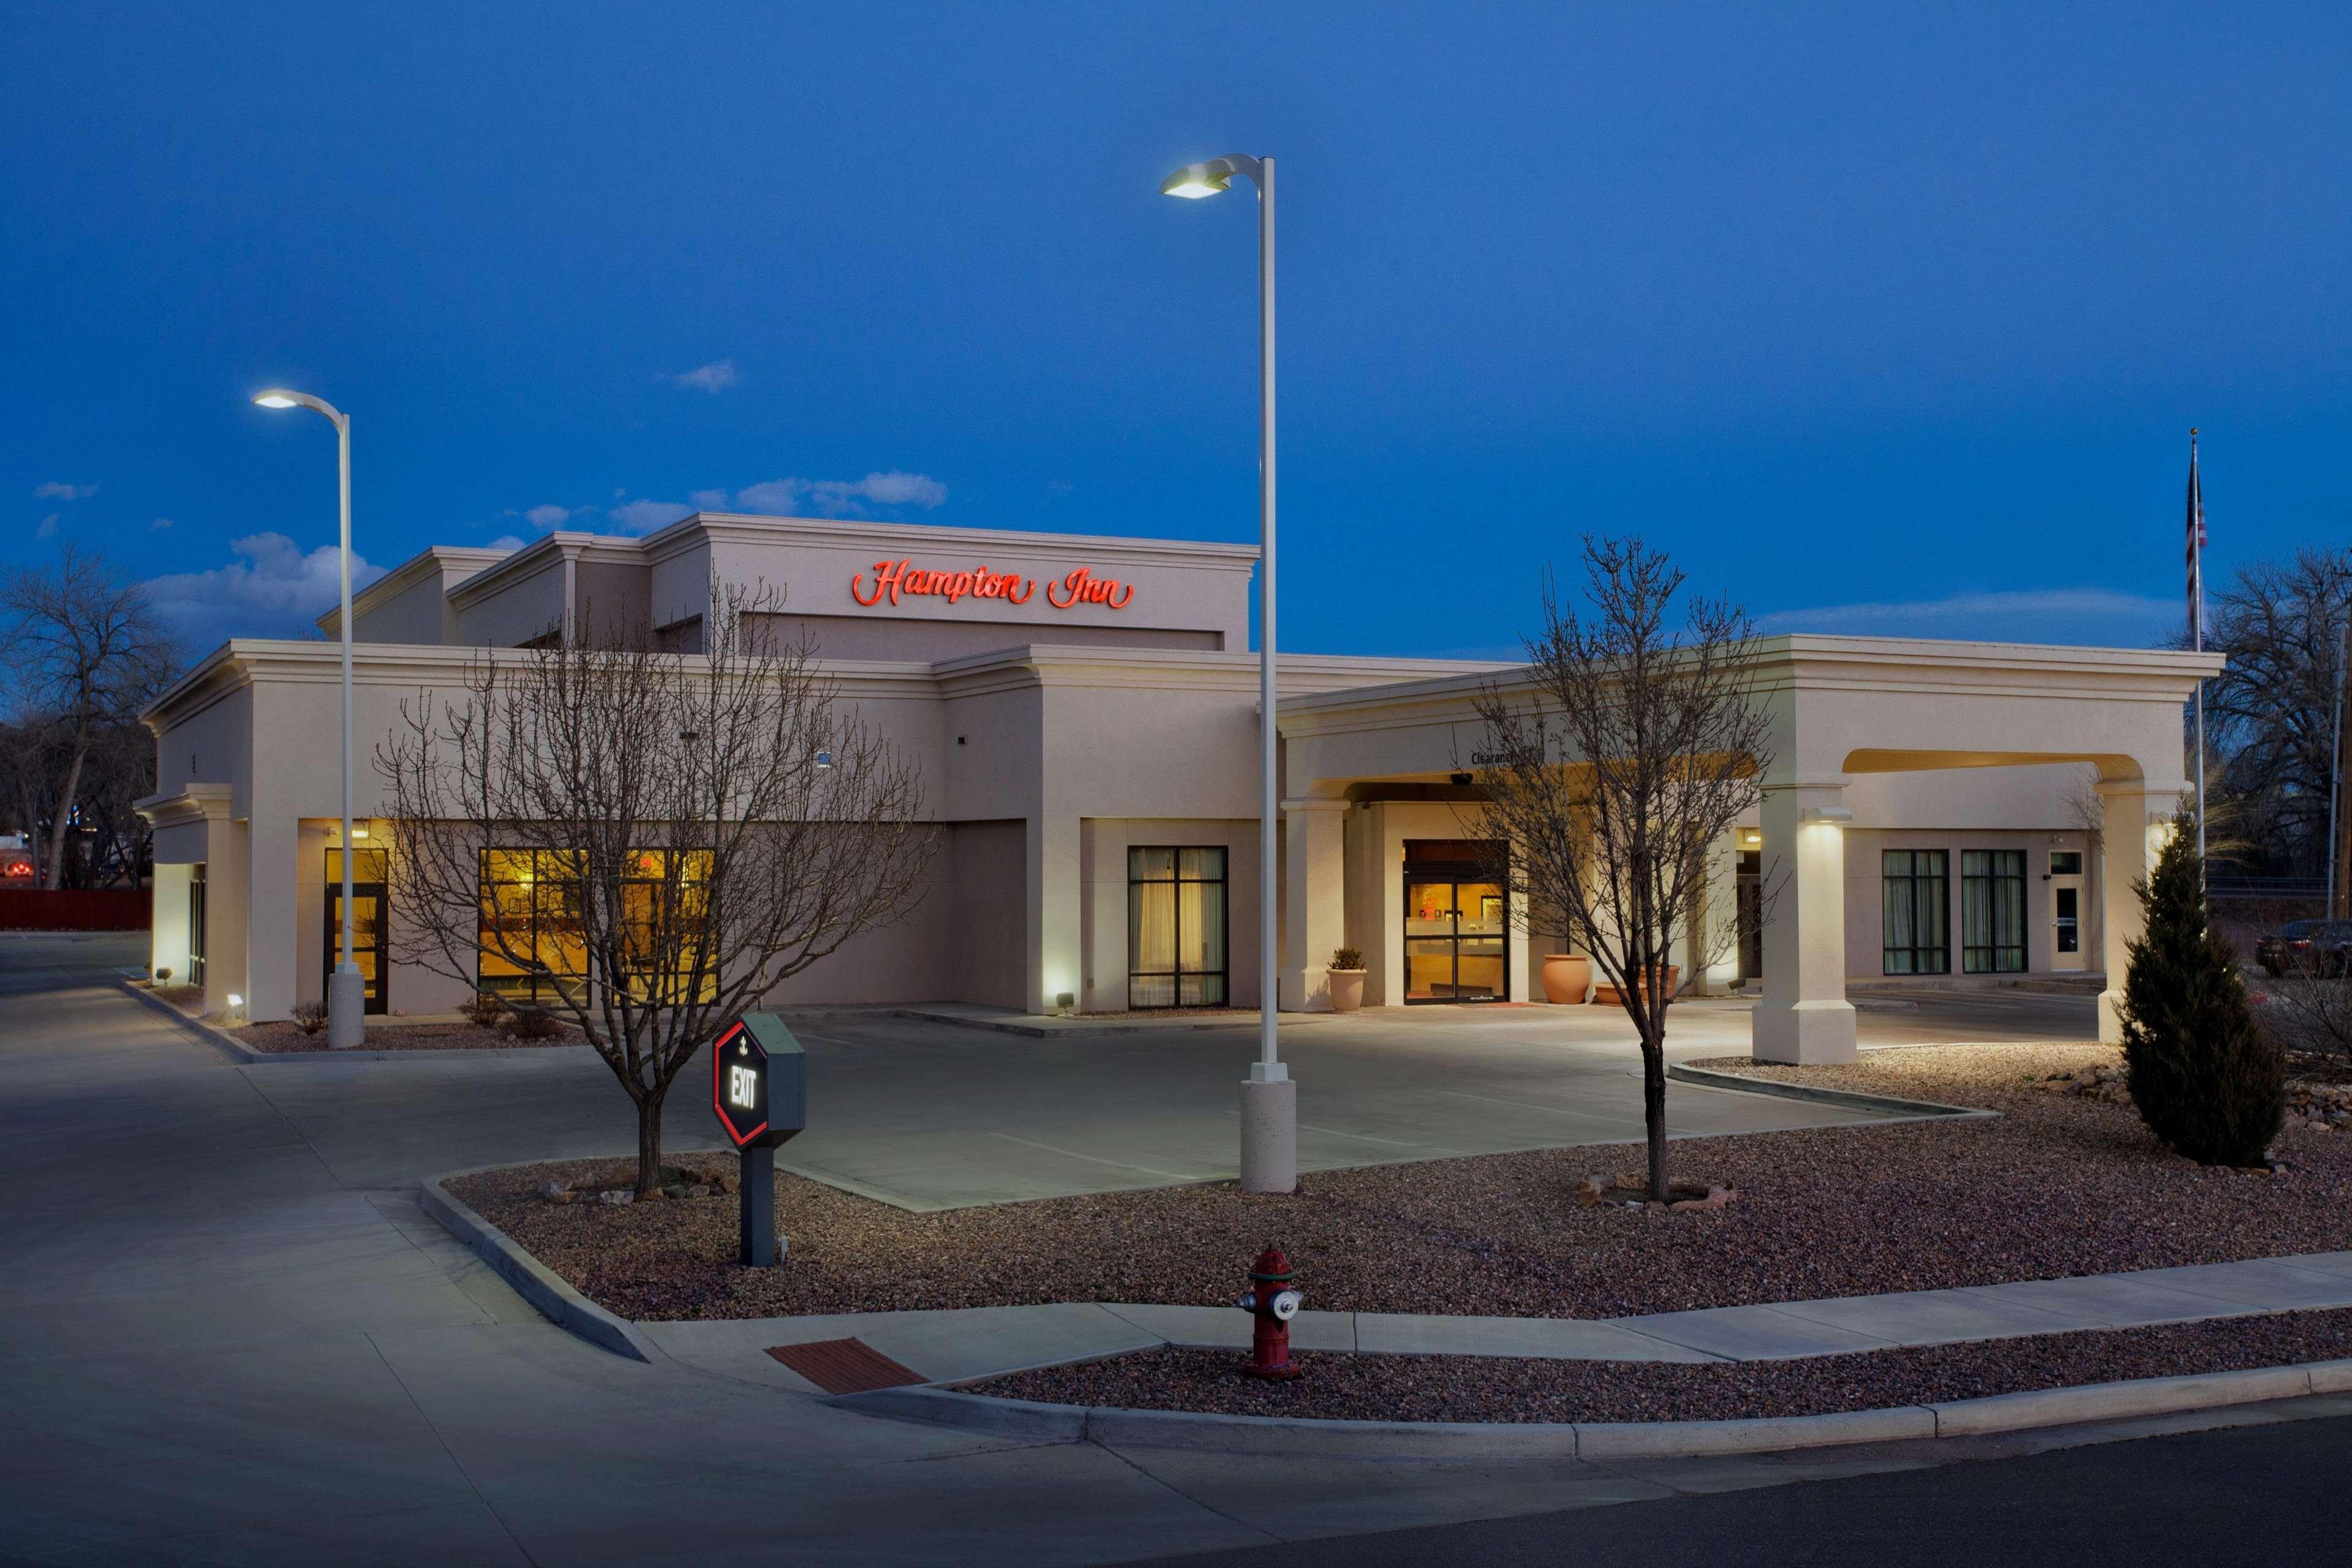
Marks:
<point>548,516</point>
<point>708,501</point>
<point>53,490</point>
<point>506,542</point>
<point>2077,616</point>
<point>645,516</point>
<point>48,528</point>
<point>275,590</point>
<point>715,376</point>
<point>843,498</point>
<point>159,525</point>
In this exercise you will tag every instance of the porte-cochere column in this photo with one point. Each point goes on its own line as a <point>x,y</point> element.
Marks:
<point>1804,1016</point>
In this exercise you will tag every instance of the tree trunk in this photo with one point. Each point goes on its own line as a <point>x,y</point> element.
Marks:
<point>1654,1112</point>
<point>64,820</point>
<point>649,1131</point>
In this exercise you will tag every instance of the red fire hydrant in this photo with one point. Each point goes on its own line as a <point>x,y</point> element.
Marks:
<point>1272,1303</point>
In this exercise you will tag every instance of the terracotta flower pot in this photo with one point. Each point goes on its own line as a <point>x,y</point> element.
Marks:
<point>1567,976</point>
<point>1347,989</point>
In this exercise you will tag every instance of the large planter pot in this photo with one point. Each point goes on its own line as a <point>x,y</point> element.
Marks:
<point>1567,976</point>
<point>1347,989</point>
<point>1611,994</point>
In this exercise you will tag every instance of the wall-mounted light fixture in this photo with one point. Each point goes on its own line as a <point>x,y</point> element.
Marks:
<point>1834,815</point>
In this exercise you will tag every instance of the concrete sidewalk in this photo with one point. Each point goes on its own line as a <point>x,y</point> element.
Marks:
<point>985,1342</point>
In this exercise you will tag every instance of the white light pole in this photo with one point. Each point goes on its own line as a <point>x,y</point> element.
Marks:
<point>1269,1097</point>
<point>346,991</point>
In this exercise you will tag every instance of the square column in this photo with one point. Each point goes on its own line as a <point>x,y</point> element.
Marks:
<point>2137,821</point>
<point>1314,900</point>
<point>227,868</point>
<point>1056,941</point>
<point>1804,1016</point>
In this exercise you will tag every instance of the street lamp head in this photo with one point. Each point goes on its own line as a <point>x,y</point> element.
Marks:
<point>1194,181</point>
<point>281,397</point>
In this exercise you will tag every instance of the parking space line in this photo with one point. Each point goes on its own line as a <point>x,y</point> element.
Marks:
<point>1097,1160</point>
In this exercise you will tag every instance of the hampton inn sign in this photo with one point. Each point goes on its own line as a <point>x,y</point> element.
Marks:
<point>1086,736</point>
<point>1081,587</point>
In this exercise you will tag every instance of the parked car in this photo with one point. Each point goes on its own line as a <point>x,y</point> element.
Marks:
<point>2307,947</point>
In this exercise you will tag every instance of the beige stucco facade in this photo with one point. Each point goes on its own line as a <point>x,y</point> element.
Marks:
<point>1068,699</point>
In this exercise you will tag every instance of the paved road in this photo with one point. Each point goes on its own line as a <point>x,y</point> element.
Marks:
<point>227,1334</point>
<point>2266,1494</point>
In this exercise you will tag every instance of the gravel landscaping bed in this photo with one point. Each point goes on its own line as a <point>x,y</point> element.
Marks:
<point>1485,1388</point>
<point>2058,1184</point>
<point>286,1038</point>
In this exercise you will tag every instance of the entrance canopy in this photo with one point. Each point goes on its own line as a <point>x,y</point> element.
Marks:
<point>1841,708</point>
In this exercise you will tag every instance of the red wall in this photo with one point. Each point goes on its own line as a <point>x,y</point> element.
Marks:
<point>103,909</point>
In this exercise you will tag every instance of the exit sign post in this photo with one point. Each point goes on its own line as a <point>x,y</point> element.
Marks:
<point>758,1089</point>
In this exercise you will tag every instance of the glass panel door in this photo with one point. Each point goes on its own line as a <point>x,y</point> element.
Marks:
<point>368,905</point>
<point>1456,923</point>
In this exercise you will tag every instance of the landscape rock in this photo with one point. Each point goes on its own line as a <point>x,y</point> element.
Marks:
<point>617,1195</point>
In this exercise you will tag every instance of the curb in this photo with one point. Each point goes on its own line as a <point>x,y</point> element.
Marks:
<point>1267,1435</point>
<point>237,1051</point>
<point>1846,1099</point>
<point>227,1043</point>
<point>535,1282</point>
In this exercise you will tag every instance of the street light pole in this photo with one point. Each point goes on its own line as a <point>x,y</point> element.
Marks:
<point>1269,1096</point>
<point>346,990</point>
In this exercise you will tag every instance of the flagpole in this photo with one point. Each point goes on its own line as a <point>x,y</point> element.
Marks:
<point>2197,627</point>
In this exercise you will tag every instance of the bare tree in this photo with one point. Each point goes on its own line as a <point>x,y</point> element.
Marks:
<point>650,841</point>
<point>85,653</point>
<point>1616,774</point>
<point>2270,711</point>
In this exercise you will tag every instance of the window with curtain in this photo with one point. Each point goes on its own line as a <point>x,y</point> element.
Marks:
<point>1992,911</point>
<point>1176,926</point>
<point>1917,884</point>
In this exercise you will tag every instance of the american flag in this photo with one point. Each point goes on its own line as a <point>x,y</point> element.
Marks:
<point>2196,552</point>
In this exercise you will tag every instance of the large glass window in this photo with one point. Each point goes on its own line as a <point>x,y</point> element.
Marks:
<point>1992,911</point>
<point>532,949</point>
<point>1176,927</point>
<point>664,903</point>
<point>1917,884</point>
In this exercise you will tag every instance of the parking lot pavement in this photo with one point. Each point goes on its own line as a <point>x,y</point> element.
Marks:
<point>228,1334</point>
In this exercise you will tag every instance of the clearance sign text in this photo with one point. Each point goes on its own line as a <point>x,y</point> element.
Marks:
<point>892,578</point>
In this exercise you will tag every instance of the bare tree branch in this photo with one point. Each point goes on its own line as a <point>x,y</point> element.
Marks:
<point>694,829</point>
<point>1616,774</point>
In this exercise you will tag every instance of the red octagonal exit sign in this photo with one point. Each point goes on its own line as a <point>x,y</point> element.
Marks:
<point>759,1081</point>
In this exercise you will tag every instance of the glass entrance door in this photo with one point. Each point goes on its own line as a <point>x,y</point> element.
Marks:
<point>367,923</point>
<point>1456,927</point>
<point>2066,909</point>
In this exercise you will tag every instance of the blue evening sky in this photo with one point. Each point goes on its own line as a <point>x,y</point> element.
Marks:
<point>1880,319</point>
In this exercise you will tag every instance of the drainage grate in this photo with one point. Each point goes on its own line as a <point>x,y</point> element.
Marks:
<point>843,1366</point>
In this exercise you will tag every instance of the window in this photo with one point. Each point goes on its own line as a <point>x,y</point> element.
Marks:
<point>196,924</point>
<point>532,945</point>
<point>1917,885</point>
<point>1176,927</point>
<point>1992,911</point>
<point>664,897</point>
<point>2065,862</point>
<point>532,949</point>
